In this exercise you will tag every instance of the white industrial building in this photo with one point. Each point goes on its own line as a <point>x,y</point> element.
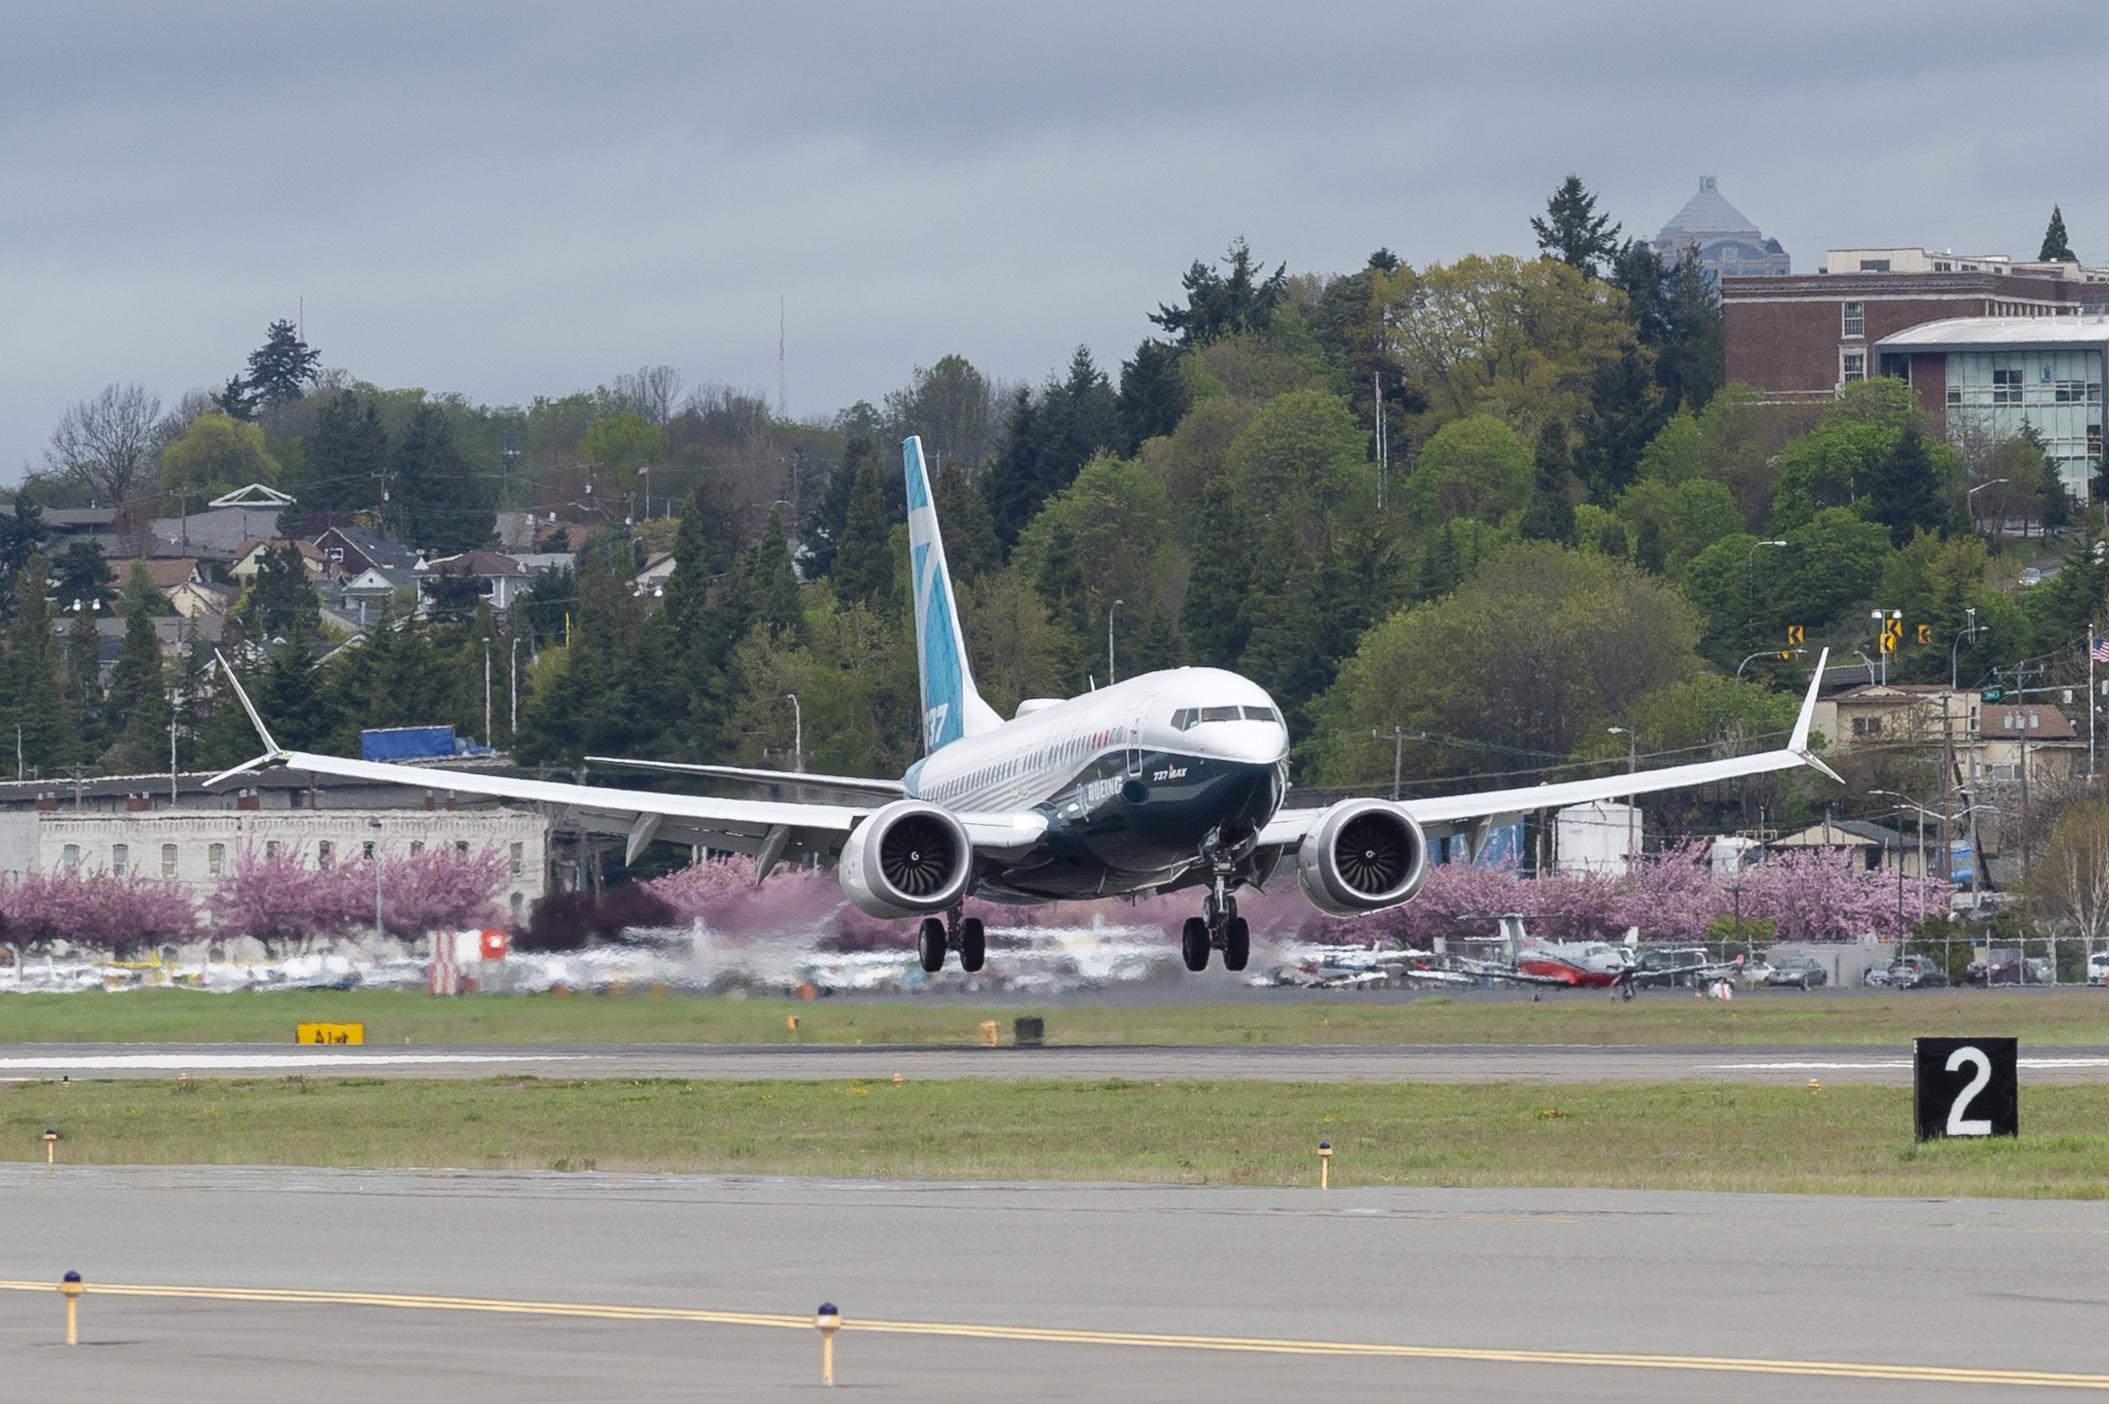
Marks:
<point>197,849</point>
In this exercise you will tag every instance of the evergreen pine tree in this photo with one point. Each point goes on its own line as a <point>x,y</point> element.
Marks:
<point>1903,491</point>
<point>343,461</point>
<point>234,400</point>
<point>282,368</point>
<point>292,697</point>
<point>1550,515</point>
<point>863,554</point>
<point>138,671</point>
<point>765,587</point>
<point>825,526</point>
<point>1051,439</point>
<point>1625,412</point>
<point>436,503</point>
<point>1152,397</point>
<point>1573,232</point>
<point>2057,248</point>
<point>971,547</point>
<point>82,682</point>
<point>1219,304</point>
<point>1209,616</point>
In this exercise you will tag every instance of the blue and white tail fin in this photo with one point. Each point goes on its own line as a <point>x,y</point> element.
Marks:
<point>951,706</point>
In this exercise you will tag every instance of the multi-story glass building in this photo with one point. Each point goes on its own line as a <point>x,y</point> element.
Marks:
<point>1989,378</point>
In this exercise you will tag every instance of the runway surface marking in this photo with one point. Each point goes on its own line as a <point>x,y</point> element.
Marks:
<point>1887,1063</point>
<point>1256,1345</point>
<point>237,1061</point>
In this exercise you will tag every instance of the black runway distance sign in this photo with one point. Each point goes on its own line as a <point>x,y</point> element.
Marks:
<point>1966,1087</point>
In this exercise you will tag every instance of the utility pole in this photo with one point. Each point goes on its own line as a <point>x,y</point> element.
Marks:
<point>1111,676</point>
<point>1398,755</point>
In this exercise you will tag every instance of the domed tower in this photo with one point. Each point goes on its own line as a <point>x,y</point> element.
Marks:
<point>1728,244</point>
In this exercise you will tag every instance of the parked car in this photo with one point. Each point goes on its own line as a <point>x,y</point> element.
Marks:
<point>1916,973</point>
<point>2007,967</point>
<point>1876,977</point>
<point>1800,972</point>
<point>1675,965</point>
<point>2098,968</point>
<point>2031,576</point>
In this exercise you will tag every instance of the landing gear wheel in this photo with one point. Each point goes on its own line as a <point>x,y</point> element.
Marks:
<point>1193,943</point>
<point>930,945</point>
<point>973,945</point>
<point>1237,943</point>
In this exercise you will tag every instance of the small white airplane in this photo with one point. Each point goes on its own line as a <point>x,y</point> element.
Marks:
<point>1167,781</point>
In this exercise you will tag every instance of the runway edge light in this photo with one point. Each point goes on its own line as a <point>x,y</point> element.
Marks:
<point>51,1146</point>
<point>1325,1161</point>
<point>829,1320</point>
<point>71,1287</point>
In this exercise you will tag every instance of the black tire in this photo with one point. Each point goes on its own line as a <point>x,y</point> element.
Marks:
<point>1237,944</point>
<point>1193,944</point>
<point>930,945</point>
<point>973,945</point>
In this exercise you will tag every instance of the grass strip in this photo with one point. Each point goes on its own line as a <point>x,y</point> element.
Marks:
<point>1677,1136</point>
<point>1670,1018</point>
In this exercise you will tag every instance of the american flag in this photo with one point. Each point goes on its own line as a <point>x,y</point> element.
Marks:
<point>2098,649</point>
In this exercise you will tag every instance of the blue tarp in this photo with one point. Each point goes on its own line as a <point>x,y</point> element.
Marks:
<point>400,743</point>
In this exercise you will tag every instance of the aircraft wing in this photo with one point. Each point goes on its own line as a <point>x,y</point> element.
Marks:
<point>857,783</point>
<point>1449,813</point>
<point>770,830</point>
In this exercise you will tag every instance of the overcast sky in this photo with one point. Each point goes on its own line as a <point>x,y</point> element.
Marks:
<point>511,200</point>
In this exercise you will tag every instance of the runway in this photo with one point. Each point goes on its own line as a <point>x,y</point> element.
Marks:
<point>468,1287</point>
<point>1571,1063</point>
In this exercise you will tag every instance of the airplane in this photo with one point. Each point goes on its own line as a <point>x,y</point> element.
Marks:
<point>1167,781</point>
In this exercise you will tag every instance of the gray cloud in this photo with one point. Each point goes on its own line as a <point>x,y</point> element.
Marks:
<point>514,200</point>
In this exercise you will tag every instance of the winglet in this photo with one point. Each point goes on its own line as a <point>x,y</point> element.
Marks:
<point>272,751</point>
<point>1798,743</point>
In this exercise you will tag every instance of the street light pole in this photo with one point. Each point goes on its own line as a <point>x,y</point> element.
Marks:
<point>514,684</point>
<point>1955,649</point>
<point>1632,809</point>
<point>1750,583</point>
<point>1797,652</point>
<point>798,733</point>
<point>1111,676</point>
<point>375,825</point>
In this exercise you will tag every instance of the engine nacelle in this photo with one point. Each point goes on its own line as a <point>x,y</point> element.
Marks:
<point>907,859</point>
<point>1364,854</point>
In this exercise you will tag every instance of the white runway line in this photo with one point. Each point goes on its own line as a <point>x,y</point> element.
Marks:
<point>1893,1063</point>
<point>237,1061</point>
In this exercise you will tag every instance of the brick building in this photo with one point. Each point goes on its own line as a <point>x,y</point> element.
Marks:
<point>1804,336</point>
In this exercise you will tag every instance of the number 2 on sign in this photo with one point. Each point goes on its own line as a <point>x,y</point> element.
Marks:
<point>1958,1124</point>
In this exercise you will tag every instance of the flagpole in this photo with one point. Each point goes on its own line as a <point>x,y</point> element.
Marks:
<point>2090,703</point>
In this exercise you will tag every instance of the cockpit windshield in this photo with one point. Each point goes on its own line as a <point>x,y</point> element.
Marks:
<point>1187,718</point>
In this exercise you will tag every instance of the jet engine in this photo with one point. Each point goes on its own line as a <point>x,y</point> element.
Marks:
<point>907,859</point>
<point>1362,855</point>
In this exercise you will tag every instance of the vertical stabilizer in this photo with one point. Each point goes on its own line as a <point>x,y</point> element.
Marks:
<point>951,706</point>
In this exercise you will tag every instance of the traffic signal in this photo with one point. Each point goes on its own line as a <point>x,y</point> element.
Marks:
<point>1795,634</point>
<point>1925,635</point>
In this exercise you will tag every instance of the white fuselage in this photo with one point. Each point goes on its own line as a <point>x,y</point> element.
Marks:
<point>1204,713</point>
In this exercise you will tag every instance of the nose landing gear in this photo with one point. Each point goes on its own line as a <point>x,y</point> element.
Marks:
<point>954,932</point>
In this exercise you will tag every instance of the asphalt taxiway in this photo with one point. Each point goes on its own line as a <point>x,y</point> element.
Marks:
<point>236,1285</point>
<point>1884,1065</point>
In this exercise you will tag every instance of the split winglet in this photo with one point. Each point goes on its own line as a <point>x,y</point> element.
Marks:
<point>1798,743</point>
<point>273,753</point>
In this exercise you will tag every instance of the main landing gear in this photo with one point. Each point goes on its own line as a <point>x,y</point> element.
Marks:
<point>1219,927</point>
<point>952,932</point>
